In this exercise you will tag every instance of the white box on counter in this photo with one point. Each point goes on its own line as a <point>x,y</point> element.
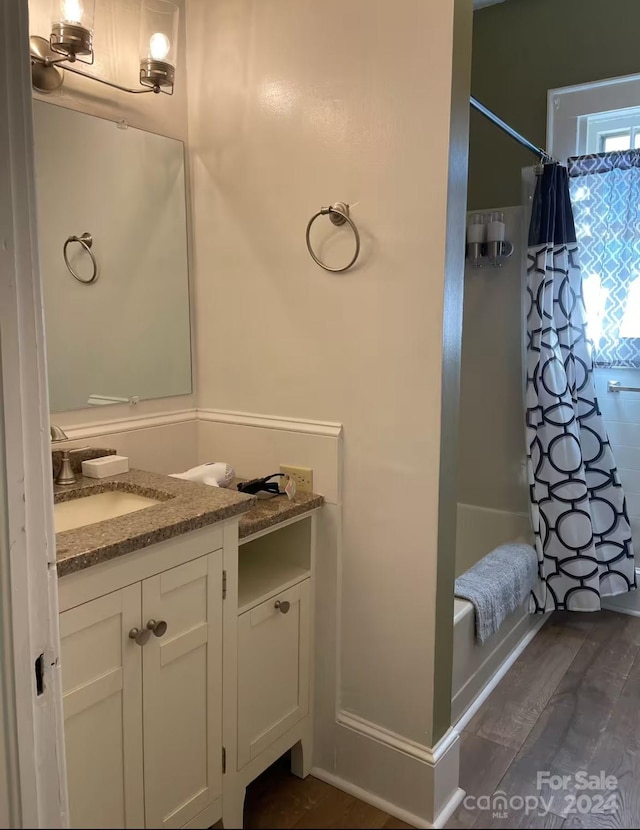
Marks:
<point>110,465</point>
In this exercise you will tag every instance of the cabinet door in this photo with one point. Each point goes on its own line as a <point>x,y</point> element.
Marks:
<point>182,690</point>
<point>102,694</point>
<point>273,670</point>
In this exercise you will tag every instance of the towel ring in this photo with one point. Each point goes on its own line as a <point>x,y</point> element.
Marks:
<point>339,214</point>
<point>86,240</point>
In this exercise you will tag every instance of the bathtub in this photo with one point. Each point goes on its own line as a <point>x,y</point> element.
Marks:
<point>478,668</point>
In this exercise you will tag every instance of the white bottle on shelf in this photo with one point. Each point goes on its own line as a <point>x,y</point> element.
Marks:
<point>476,229</point>
<point>496,227</point>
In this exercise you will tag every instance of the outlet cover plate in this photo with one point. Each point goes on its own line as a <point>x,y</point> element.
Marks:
<point>303,477</point>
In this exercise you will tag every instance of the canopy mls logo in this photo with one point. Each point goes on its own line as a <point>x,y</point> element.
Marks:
<point>501,806</point>
<point>577,794</point>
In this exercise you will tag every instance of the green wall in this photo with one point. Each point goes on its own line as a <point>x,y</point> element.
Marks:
<point>522,48</point>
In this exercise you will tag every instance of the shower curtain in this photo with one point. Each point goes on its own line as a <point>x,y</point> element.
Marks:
<point>578,509</point>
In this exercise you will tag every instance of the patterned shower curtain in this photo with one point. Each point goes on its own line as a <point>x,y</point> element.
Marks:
<point>605,194</point>
<point>578,509</point>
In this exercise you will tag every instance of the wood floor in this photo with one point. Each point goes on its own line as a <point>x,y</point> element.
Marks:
<point>570,703</point>
<point>280,800</point>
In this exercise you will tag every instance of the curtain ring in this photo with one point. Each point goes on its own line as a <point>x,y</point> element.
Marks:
<point>86,240</point>
<point>339,214</point>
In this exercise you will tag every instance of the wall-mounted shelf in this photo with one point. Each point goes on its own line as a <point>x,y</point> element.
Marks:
<point>488,254</point>
<point>486,243</point>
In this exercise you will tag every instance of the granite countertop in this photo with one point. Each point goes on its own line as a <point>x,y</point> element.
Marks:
<point>268,512</point>
<point>185,506</point>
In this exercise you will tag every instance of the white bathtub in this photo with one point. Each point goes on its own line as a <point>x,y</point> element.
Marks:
<point>477,668</point>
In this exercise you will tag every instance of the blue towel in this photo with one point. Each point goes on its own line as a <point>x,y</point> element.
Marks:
<point>498,584</point>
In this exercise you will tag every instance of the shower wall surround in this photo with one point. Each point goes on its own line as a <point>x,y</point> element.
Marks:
<point>491,452</point>
<point>621,412</point>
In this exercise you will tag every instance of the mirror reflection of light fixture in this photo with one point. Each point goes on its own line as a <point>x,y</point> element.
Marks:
<point>71,40</point>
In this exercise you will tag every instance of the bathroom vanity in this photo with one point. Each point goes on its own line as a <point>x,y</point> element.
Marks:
<point>186,640</point>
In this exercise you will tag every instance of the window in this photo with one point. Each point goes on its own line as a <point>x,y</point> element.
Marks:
<point>580,118</point>
<point>611,132</point>
<point>599,124</point>
<point>615,142</point>
<point>605,194</point>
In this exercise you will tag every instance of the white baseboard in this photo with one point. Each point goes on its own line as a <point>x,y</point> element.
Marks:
<point>621,609</point>
<point>415,783</point>
<point>398,742</point>
<point>386,806</point>
<point>497,676</point>
<point>625,603</point>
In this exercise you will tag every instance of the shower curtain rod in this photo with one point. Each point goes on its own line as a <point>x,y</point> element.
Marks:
<point>538,151</point>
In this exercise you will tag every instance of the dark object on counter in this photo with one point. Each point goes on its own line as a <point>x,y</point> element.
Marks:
<point>262,485</point>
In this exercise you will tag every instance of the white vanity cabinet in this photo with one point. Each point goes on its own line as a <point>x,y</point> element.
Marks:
<point>273,669</point>
<point>142,686</point>
<point>102,687</point>
<point>268,669</point>
<point>187,670</point>
<point>182,692</point>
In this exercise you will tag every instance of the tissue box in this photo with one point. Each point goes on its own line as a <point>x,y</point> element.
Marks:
<point>110,465</point>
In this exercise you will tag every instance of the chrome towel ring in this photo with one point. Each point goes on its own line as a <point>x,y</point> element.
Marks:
<point>86,240</point>
<point>339,214</point>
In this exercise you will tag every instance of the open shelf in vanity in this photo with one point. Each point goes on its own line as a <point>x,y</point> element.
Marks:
<point>273,562</point>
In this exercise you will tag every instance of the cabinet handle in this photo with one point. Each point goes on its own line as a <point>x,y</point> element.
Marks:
<point>139,635</point>
<point>283,607</point>
<point>159,628</point>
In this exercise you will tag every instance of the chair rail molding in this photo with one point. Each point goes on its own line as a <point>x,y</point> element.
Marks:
<point>93,429</point>
<point>328,429</point>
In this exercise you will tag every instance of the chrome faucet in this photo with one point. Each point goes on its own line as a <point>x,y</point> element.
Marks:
<point>65,473</point>
<point>58,434</point>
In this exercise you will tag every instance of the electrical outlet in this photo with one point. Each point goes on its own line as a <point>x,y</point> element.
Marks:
<point>303,477</point>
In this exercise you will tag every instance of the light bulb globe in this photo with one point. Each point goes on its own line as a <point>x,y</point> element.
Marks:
<point>159,46</point>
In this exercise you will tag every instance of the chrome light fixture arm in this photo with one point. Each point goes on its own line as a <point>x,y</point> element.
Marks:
<point>46,65</point>
<point>155,88</point>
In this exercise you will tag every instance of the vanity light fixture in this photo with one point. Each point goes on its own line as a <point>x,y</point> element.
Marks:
<point>71,41</point>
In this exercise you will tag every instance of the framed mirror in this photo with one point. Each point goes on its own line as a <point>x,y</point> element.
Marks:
<point>113,256</point>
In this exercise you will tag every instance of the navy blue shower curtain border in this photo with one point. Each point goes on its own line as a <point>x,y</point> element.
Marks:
<point>551,214</point>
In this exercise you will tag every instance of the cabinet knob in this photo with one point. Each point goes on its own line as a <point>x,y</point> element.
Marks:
<point>159,627</point>
<point>283,607</point>
<point>139,635</point>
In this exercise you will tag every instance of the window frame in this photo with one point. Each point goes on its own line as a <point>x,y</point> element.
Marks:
<point>575,114</point>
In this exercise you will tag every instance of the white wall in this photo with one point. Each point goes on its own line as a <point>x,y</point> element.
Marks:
<point>491,451</point>
<point>293,106</point>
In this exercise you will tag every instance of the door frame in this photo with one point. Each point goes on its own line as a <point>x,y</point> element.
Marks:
<point>33,724</point>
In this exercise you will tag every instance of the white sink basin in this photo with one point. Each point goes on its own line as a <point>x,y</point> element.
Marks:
<point>88,510</point>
